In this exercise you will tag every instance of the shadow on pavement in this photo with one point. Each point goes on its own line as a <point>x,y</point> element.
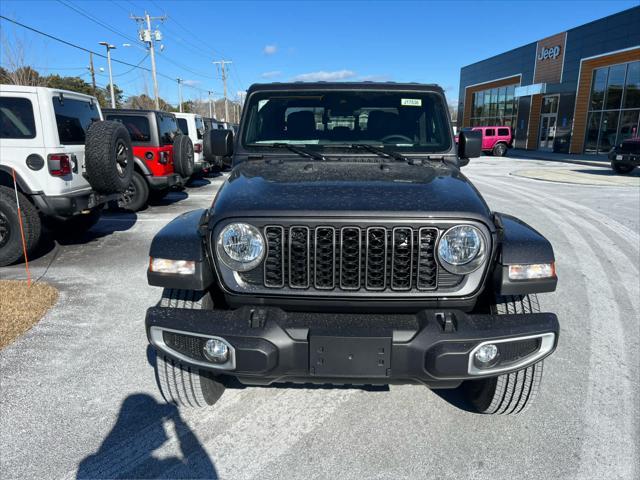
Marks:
<point>172,197</point>
<point>454,397</point>
<point>198,182</point>
<point>110,222</point>
<point>53,237</point>
<point>143,426</point>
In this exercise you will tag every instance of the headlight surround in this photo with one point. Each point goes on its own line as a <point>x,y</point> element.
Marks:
<point>240,246</point>
<point>462,249</point>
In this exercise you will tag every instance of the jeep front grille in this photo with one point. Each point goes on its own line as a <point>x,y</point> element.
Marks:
<point>352,258</point>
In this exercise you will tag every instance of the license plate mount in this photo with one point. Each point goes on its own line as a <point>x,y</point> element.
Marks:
<point>354,357</point>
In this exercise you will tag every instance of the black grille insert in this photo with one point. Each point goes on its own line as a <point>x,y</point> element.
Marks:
<point>353,258</point>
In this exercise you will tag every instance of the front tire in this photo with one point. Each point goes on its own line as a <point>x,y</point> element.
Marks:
<point>180,384</point>
<point>10,236</point>
<point>510,393</point>
<point>621,169</point>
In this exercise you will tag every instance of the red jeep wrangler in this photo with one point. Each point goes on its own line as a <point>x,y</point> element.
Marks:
<point>163,157</point>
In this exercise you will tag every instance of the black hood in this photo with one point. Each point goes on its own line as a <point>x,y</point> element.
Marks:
<point>347,188</point>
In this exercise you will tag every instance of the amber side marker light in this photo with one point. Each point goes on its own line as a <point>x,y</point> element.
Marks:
<point>176,267</point>
<point>532,272</point>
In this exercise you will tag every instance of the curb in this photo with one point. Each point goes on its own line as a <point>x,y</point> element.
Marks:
<point>589,163</point>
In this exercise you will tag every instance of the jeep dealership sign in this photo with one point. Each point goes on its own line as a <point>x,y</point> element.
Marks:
<point>551,52</point>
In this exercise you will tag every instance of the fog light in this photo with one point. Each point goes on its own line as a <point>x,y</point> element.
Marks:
<point>486,355</point>
<point>216,350</point>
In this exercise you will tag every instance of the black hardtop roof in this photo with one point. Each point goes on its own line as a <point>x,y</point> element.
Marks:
<point>132,110</point>
<point>393,86</point>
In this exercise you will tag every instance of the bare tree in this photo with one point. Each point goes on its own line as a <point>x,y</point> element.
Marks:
<point>17,72</point>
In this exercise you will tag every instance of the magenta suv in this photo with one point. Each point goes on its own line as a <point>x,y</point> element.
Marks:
<point>495,140</point>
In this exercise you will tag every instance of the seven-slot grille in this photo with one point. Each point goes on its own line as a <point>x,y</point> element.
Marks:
<point>351,258</point>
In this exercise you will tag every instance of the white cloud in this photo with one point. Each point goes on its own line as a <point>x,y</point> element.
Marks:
<point>270,49</point>
<point>190,83</point>
<point>272,74</point>
<point>375,78</point>
<point>323,76</point>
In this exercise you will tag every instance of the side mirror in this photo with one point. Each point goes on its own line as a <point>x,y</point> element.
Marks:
<point>469,146</point>
<point>218,143</point>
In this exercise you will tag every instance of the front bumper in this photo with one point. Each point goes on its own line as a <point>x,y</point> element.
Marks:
<point>630,159</point>
<point>70,204</point>
<point>432,347</point>
<point>166,181</point>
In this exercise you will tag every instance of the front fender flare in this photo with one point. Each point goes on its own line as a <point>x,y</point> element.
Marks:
<point>181,239</point>
<point>520,244</point>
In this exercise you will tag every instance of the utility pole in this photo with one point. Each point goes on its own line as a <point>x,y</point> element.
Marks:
<point>210,111</point>
<point>147,36</point>
<point>221,65</point>
<point>110,47</point>
<point>179,80</point>
<point>93,73</point>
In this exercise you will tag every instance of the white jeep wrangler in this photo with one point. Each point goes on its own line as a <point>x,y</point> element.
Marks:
<point>67,164</point>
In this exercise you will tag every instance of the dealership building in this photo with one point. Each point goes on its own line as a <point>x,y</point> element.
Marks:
<point>577,91</point>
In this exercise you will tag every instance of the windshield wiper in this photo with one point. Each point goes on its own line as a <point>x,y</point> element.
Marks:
<point>303,152</point>
<point>381,152</point>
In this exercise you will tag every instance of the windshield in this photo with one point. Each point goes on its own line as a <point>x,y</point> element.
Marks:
<point>411,121</point>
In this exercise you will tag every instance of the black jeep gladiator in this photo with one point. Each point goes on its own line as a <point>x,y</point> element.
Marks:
<point>346,247</point>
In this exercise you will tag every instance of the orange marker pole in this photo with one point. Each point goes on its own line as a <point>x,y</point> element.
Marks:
<point>24,243</point>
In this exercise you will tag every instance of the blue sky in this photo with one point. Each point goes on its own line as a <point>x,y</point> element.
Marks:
<point>280,41</point>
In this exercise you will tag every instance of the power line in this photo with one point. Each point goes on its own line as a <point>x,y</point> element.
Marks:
<point>87,50</point>
<point>98,22</point>
<point>133,68</point>
<point>52,37</point>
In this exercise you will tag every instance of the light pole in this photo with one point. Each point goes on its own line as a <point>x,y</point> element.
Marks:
<point>179,80</point>
<point>110,47</point>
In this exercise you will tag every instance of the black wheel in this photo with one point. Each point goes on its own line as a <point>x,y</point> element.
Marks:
<point>10,236</point>
<point>183,157</point>
<point>108,157</point>
<point>184,385</point>
<point>74,225</point>
<point>499,150</point>
<point>135,197</point>
<point>156,195</point>
<point>510,393</point>
<point>622,169</point>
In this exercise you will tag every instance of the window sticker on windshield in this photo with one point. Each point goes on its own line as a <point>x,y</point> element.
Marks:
<point>411,102</point>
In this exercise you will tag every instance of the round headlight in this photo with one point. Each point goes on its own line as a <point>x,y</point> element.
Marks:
<point>461,249</point>
<point>240,246</point>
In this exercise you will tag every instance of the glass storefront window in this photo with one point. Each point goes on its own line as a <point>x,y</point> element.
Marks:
<point>632,87</point>
<point>615,85</point>
<point>508,109</point>
<point>628,125</point>
<point>593,127</point>
<point>494,106</point>
<point>614,107</point>
<point>608,131</point>
<point>597,88</point>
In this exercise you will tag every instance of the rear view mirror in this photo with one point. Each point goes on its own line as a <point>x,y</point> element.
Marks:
<point>469,146</point>
<point>218,143</point>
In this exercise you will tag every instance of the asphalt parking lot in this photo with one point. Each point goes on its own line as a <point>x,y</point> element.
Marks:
<point>78,397</point>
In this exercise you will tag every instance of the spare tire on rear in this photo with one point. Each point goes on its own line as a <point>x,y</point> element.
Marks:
<point>108,157</point>
<point>183,155</point>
